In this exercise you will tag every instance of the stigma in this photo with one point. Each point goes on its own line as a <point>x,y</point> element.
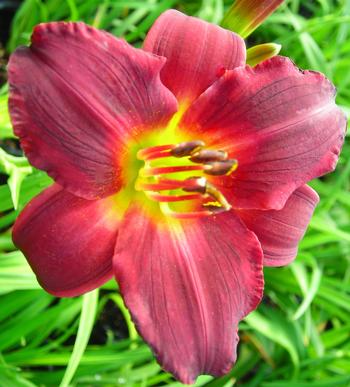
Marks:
<point>192,164</point>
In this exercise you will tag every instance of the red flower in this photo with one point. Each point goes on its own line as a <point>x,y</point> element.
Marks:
<point>187,204</point>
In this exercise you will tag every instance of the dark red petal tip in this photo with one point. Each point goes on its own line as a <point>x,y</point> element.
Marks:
<point>280,123</point>
<point>77,96</point>
<point>68,241</point>
<point>187,285</point>
<point>280,231</point>
<point>196,52</point>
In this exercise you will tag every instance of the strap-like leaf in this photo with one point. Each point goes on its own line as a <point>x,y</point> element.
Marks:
<point>87,318</point>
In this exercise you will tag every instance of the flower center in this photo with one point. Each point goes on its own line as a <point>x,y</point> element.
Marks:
<point>189,194</point>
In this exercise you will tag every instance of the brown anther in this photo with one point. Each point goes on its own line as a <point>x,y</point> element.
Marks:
<point>186,148</point>
<point>207,155</point>
<point>201,185</point>
<point>218,168</point>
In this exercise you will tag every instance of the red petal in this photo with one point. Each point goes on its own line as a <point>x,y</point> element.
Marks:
<point>68,241</point>
<point>196,52</point>
<point>280,123</point>
<point>77,95</point>
<point>279,232</point>
<point>187,285</point>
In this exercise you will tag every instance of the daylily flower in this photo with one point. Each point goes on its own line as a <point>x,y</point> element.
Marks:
<point>176,167</point>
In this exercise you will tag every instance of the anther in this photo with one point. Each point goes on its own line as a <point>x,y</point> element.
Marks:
<point>200,185</point>
<point>218,196</point>
<point>208,155</point>
<point>186,148</point>
<point>219,168</point>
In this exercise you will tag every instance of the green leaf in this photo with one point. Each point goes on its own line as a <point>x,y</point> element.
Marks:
<point>309,288</point>
<point>17,168</point>
<point>87,318</point>
<point>275,327</point>
<point>5,123</point>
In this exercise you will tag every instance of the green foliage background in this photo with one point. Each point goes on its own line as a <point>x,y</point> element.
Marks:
<point>300,334</point>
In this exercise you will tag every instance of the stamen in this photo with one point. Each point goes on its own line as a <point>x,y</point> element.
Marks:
<point>171,198</point>
<point>147,172</point>
<point>144,153</point>
<point>163,184</point>
<point>210,190</point>
<point>219,168</point>
<point>218,196</point>
<point>152,179</point>
<point>200,187</point>
<point>187,148</point>
<point>157,155</point>
<point>207,155</point>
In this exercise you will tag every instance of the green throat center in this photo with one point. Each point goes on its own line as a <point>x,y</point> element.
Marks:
<point>187,193</point>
